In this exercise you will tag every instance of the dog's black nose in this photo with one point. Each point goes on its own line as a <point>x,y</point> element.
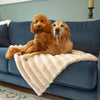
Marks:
<point>57,30</point>
<point>38,26</point>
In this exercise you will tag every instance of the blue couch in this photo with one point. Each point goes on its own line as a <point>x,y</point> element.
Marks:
<point>79,81</point>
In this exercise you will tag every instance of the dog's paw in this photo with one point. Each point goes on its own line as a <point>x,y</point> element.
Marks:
<point>8,56</point>
<point>18,53</point>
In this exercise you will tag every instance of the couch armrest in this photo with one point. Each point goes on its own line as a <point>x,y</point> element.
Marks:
<point>98,84</point>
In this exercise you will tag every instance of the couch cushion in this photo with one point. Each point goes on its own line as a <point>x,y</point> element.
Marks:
<point>12,68</point>
<point>4,41</point>
<point>86,35</point>
<point>19,33</point>
<point>81,75</point>
<point>3,60</point>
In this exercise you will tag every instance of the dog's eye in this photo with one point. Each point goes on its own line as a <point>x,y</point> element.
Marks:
<point>54,25</point>
<point>42,21</point>
<point>62,25</point>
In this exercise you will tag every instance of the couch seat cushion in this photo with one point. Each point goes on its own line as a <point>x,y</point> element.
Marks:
<point>12,68</point>
<point>81,75</point>
<point>3,60</point>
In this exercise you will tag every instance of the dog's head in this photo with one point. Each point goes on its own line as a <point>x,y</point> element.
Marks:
<point>40,24</point>
<point>60,28</point>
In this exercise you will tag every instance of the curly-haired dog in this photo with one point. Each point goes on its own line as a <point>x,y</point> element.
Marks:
<point>60,44</point>
<point>41,27</point>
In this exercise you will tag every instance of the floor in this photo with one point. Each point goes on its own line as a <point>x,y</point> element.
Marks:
<point>26,90</point>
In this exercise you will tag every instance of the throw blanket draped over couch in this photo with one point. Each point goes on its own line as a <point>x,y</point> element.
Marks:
<point>39,71</point>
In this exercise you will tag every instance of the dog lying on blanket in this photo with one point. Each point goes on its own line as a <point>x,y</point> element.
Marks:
<point>60,44</point>
<point>41,27</point>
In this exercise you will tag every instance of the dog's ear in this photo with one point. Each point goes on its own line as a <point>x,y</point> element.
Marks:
<point>51,31</point>
<point>48,26</point>
<point>67,31</point>
<point>32,28</point>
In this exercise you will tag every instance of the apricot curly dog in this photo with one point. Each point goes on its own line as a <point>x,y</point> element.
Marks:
<point>41,27</point>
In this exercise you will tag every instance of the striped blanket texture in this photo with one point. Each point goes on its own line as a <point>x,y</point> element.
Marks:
<point>41,70</point>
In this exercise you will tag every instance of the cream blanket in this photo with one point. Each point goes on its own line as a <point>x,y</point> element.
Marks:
<point>41,70</point>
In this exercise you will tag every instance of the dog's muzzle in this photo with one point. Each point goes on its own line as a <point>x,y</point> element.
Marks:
<point>57,31</point>
<point>38,26</point>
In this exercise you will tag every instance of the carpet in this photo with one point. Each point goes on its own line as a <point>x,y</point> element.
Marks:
<point>11,94</point>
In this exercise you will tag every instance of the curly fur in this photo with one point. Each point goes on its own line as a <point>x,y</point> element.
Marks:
<point>41,27</point>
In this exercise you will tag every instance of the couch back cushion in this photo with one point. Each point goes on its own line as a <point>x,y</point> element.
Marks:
<point>4,40</point>
<point>86,35</point>
<point>19,33</point>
